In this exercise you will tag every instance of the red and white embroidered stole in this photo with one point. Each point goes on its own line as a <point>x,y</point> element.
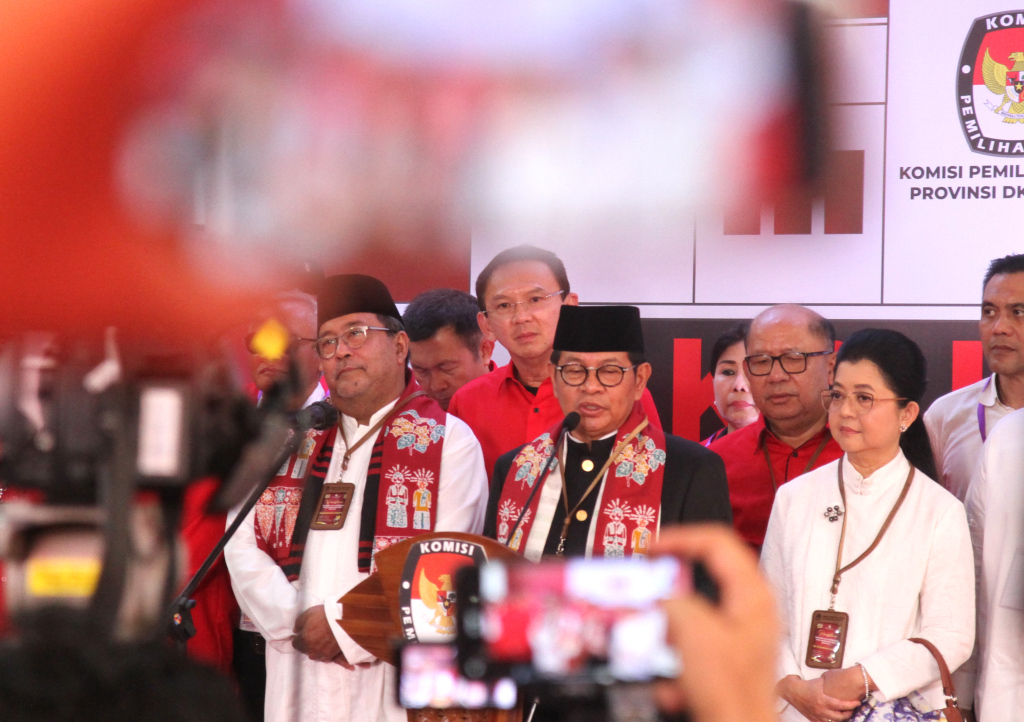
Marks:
<point>630,498</point>
<point>400,498</point>
<point>406,461</point>
<point>278,506</point>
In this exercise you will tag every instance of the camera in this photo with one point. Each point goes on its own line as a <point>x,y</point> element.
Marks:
<point>98,442</point>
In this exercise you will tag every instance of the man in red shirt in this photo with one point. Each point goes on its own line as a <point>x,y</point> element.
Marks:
<point>447,349</point>
<point>789,362</point>
<point>520,293</point>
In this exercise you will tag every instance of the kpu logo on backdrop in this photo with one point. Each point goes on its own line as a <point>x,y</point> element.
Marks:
<point>990,84</point>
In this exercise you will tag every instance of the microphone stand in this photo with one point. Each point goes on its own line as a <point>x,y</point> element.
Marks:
<point>181,625</point>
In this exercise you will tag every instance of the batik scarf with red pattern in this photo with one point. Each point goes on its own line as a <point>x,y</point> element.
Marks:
<point>630,500</point>
<point>406,452</point>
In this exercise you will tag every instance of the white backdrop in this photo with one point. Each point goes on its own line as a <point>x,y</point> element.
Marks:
<point>896,100</point>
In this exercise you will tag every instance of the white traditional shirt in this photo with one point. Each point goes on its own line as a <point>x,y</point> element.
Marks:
<point>918,582</point>
<point>953,429</point>
<point>319,393</point>
<point>297,687</point>
<point>995,511</point>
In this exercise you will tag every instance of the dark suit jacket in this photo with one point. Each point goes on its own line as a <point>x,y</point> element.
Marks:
<point>694,488</point>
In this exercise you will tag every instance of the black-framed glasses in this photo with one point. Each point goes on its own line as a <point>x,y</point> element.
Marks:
<point>608,375</point>
<point>293,341</point>
<point>507,309</point>
<point>793,362</point>
<point>354,337</point>
<point>834,400</point>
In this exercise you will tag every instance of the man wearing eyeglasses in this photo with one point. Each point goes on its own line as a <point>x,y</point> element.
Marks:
<point>520,293</point>
<point>618,478</point>
<point>789,363</point>
<point>389,436</point>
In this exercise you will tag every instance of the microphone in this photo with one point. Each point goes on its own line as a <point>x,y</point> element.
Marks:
<point>319,416</point>
<point>570,422</point>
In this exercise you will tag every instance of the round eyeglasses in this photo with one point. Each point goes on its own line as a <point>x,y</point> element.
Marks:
<point>863,401</point>
<point>608,375</point>
<point>354,337</point>
<point>794,362</point>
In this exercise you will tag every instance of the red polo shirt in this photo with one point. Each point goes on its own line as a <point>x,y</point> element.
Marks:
<point>504,415</point>
<point>751,492</point>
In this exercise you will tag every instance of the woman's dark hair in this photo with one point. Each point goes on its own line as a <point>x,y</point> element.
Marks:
<point>734,334</point>
<point>903,366</point>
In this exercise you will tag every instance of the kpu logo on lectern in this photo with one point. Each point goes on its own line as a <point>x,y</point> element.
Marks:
<point>990,84</point>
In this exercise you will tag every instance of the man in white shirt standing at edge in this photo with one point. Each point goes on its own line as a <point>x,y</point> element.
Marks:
<point>959,422</point>
<point>995,502</point>
<point>313,535</point>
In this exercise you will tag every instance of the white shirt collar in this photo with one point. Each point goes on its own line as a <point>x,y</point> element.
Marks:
<point>990,395</point>
<point>352,425</point>
<point>990,392</point>
<point>895,472</point>
<point>606,436</point>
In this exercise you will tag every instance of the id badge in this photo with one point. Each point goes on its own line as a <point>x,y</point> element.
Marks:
<point>827,640</point>
<point>331,510</point>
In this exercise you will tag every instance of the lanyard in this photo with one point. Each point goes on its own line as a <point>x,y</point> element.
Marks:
<point>349,450</point>
<point>981,411</point>
<point>842,536</point>
<point>600,475</point>
<point>814,457</point>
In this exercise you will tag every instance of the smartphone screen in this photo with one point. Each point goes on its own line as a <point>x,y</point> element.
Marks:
<point>598,619</point>
<point>428,678</point>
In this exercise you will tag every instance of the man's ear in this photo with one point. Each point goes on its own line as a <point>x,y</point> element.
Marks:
<point>402,346</point>
<point>485,325</point>
<point>486,349</point>
<point>643,374</point>
<point>571,299</point>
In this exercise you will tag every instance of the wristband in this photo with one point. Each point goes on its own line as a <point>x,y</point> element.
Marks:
<point>867,687</point>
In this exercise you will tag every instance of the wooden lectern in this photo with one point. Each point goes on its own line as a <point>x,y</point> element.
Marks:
<point>411,598</point>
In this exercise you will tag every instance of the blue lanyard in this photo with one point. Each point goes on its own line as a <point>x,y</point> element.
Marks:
<point>981,412</point>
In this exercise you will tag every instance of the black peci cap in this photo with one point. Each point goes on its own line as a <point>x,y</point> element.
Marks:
<point>353,293</point>
<point>589,329</point>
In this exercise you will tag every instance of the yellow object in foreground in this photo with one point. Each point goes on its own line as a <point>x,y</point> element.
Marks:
<point>271,340</point>
<point>62,576</point>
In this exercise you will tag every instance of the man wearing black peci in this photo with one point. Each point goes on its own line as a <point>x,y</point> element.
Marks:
<point>348,493</point>
<point>616,479</point>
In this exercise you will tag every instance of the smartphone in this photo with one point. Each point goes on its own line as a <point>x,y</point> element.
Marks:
<point>575,620</point>
<point>428,677</point>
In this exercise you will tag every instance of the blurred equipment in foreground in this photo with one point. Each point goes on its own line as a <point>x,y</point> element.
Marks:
<point>98,445</point>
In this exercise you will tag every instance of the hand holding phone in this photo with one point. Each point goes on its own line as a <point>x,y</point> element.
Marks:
<point>730,648</point>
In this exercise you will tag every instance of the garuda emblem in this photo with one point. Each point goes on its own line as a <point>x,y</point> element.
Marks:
<point>990,85</point>
<point>440,599</point>
<point>1006,83</point>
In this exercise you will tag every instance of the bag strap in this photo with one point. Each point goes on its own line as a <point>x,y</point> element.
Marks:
<point>947,680</point>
